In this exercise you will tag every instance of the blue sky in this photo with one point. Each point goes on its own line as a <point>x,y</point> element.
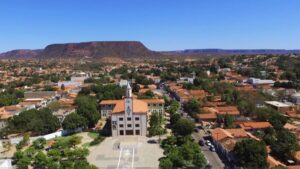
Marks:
<point>159,24</point>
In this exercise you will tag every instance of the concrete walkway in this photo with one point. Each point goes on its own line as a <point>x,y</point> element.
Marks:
<point>126,152</point>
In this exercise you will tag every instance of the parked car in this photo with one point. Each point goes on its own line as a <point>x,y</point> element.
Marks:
<point>201,142</point>
<point>208,143</point>
<point>152,141</point>
<point>212,148</point>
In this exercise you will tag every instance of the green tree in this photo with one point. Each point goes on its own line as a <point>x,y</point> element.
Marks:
<point>183,127</point>
<point>285,145</point>
<point>54,154</point>
<point>156,121</point>
<point>74,140</point>
<point>39,143</point>
<point>165,163</point>
<point>174,118</point>
<point>87,107</point>
<point>175,156</point>
<point>192,107</point>
<point>24,141</point>
<point>40,160</point>
<point>38,122</point>
<point>251,154</point>
<point>74,121</point>
<point>83,164</point>
<point>228,121</point>
<point>200,160</point>
<point>274,117</point>
<point>135,88</point>
<point>24,162</point>
<point>174,106</point>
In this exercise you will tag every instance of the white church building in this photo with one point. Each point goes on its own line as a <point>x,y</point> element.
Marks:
<point>129,116</point>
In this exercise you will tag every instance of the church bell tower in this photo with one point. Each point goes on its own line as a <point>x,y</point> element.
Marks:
<point>128,101</point>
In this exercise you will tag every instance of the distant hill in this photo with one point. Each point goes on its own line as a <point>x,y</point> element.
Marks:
<point>116,49</point>
<point>226,52</point>
<point>20,54</point>
<point>121,49</point>
<point>126,50</point>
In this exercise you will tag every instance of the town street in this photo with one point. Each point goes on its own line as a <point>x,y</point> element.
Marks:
<point>212,157</point>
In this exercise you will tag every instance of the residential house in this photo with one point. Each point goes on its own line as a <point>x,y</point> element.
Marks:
<point>280,106</point>
<point>254,126</point>
<point>225,140</point>
<point>209,114</point>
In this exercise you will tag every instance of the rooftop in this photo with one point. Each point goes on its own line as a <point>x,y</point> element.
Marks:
<point>255,125</point>
<point>277,104</point>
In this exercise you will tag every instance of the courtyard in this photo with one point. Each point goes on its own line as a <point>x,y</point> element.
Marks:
<point>126,153</point>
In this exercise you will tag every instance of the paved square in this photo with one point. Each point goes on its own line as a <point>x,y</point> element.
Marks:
<point>126,153</point>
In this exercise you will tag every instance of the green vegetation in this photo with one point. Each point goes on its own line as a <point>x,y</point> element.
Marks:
<point>64,153</point>
<point>104,92</point>
<point>181,154</point>
<point>227,120</point>
<point>174,106</point>
<point>97,140</point>
<point>87,108</point>
<point>11,97</point>
<point>38,122</point>
<point>285,145</point>
<point>251,154</point>
<point>192,107</point>
<point>147,95</point>
<point>274,117</point>
<point>74,121</point>
<point>93,135</point>
<point>24,142</point>
<point>156,122</point>
<point>183,127</point>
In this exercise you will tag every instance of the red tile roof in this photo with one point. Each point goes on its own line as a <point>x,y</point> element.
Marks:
<point>255,125</point>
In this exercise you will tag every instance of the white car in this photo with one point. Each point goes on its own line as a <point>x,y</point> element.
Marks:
<point>212,148</point>
<point>208,143</point>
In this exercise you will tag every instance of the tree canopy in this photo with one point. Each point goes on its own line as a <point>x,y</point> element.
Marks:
<point>285,145</point>
<point>183,127</point>
<point>192,107</point>
<point>74,121</point>
<point>87,108</point>
<point>39,122</point>
<point>251,153</point>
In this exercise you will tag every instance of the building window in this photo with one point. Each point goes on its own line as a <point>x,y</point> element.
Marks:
<point>137,125</point>
<point>160,105</point>
<point>137,118</point>
<point>137,132</point>
<point>120,118</point>
<point>121,132</point>
<point>128,118</point>
<point>128,125</point>
<point>121,125</point>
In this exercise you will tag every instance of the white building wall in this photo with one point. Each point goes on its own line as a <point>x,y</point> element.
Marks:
<point>134,124</point>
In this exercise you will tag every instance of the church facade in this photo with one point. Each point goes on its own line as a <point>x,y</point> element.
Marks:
<point>130,116</point>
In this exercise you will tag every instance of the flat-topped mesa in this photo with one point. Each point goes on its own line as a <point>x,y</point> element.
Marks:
<point>121,49</point>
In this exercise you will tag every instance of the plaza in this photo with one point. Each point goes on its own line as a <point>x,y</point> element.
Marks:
<point>126,152</point>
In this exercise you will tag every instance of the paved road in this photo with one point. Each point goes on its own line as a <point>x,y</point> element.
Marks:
<point>212,157</point>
